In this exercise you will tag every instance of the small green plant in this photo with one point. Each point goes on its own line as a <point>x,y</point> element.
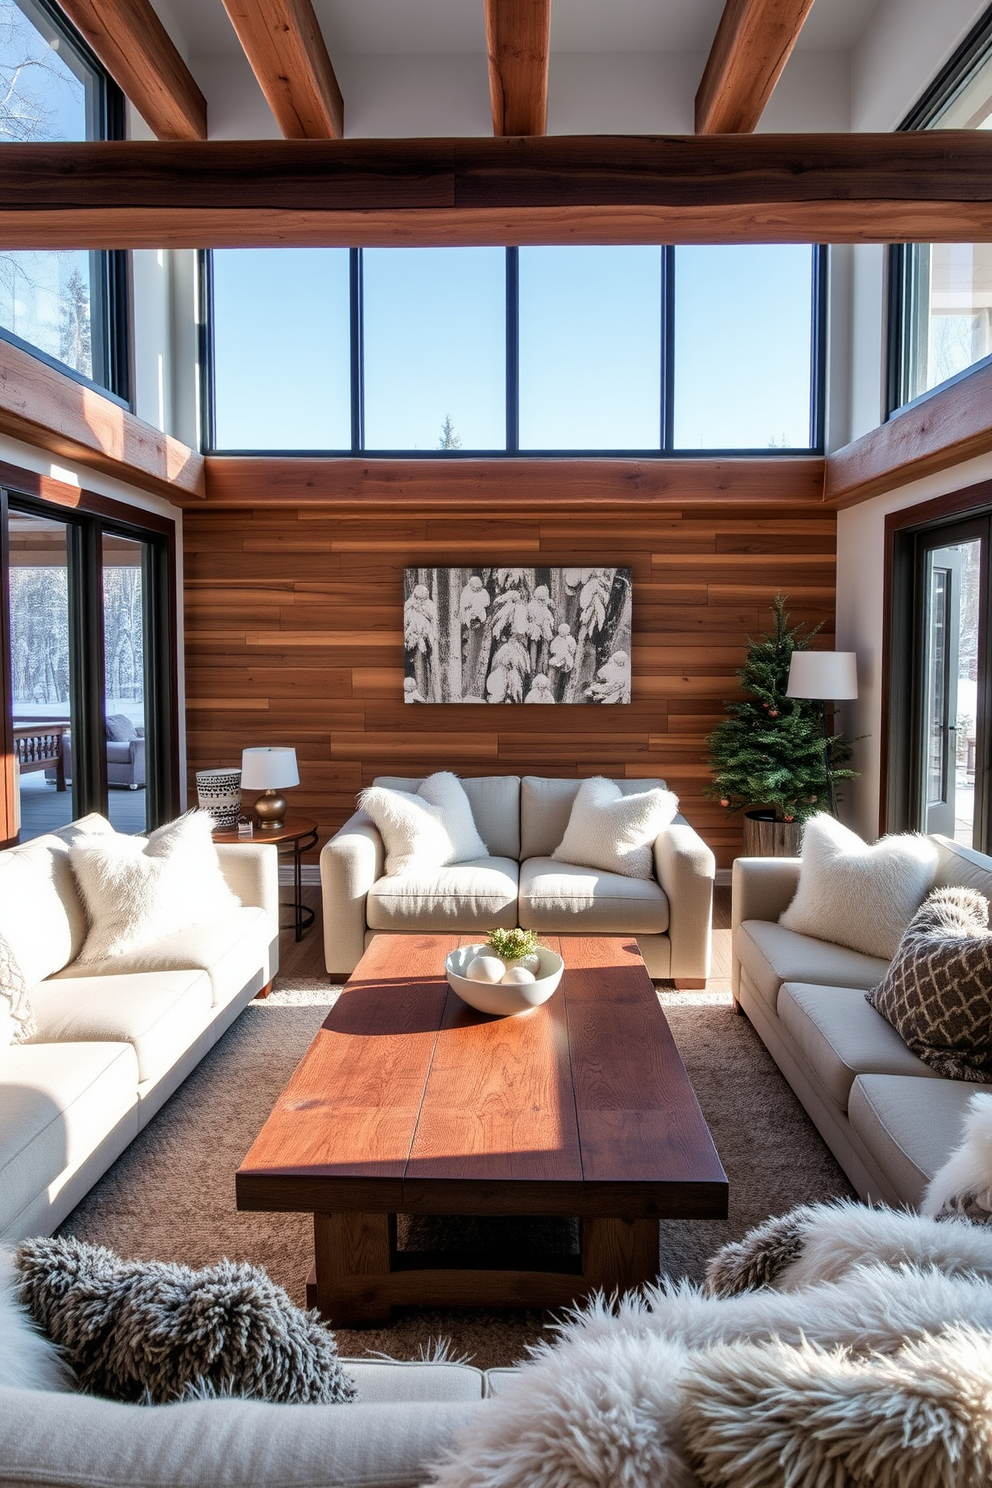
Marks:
<point>510,945</point>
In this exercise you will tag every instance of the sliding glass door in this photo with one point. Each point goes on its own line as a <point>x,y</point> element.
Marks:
<point>942,682</point>
<point>91,667</point>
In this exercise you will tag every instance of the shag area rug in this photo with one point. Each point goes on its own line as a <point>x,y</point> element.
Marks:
<point>170,1197</point>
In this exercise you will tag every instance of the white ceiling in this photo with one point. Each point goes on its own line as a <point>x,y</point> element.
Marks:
<point>456,27</point>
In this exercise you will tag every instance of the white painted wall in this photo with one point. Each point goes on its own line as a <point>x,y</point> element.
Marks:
<point>861,560</point>
<point>29,457</point>
<point>904,45</point>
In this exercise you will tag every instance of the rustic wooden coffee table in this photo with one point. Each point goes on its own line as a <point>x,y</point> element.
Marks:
<point>409,1102</point>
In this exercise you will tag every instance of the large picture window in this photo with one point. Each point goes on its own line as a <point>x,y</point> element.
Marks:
<point>66,305</point>
<point>547,350</point>
<point>940,296</point>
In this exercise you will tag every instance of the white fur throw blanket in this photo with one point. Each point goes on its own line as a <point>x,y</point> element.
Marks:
<point>880,1376</point>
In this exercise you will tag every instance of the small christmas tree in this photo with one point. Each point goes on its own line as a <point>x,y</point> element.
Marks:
<point>770,751</point>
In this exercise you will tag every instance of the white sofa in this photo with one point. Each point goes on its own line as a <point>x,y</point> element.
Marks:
<point>890,1120</point>
<point>114,1039</point>
<point>521,821</point>
<point>405,1419</point>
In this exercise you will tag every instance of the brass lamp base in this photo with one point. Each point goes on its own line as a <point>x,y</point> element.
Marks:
<point>270,811</point>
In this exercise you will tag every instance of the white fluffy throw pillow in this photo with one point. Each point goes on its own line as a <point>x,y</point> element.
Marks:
<point>858,895</point>
<point>963,1186</point>
<point>428,829</point>
<point>137,890</point>
<point>615,832</point>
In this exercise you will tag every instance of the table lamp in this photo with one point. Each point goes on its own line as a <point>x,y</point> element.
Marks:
<point>824,676</point>
<point>270,770</point>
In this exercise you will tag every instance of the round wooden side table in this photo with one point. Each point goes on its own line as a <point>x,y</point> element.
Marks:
<point>296,836</point>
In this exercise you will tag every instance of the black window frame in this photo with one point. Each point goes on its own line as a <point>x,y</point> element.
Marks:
<point>110,272</point>
<point>902,308</point>
<point>665,449</point>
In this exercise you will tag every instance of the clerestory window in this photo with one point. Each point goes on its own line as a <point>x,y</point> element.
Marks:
<point>614,350</point>
<point>65,305</point>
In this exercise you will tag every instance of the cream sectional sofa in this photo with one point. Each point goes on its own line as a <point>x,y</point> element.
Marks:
<point>521,821</point>
<point>114,1039</point>
<point>890,1120</point>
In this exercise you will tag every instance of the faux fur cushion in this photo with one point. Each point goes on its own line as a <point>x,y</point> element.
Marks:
<point>963,1186</point>
<point>138,890</point>
<point>615,832</point>
<point>28,1360</point>
<point>427,829</point>
<point>858,895</point>
<point>937,994</point>
<point>14,996</point>
<point>771,1415</point>
<point>816,1243</point>
<point>151,1332</point>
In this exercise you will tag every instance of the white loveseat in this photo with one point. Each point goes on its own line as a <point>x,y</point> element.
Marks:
<point>521,821</point>
<point>115,1038</point>
<point>890,1120</point>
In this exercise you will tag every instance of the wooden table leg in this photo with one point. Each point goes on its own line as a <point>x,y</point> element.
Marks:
<point>353,1257</point>
<point>619,1254</point>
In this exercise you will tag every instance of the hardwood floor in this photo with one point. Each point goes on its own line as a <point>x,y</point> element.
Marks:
<point>307,958</point>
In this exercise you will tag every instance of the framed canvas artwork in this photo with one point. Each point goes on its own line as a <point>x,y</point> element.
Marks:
<point>516,635</point>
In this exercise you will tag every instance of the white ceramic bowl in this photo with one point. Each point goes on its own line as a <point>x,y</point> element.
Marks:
<point>494,997</point>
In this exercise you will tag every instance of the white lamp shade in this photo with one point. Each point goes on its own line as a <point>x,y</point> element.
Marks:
<point>269,769</point>
<point>823,674</point>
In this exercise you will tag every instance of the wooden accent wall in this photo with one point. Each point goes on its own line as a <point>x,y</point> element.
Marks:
<point>294,636</point>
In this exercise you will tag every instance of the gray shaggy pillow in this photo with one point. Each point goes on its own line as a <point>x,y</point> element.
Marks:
<point>937,994</point>
<point>148,1331</point>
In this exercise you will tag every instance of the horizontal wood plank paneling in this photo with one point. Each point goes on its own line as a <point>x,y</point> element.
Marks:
<point>294,628</point>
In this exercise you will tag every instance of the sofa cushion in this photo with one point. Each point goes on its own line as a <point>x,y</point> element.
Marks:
<point>909,1127</point>
<point>770,955</point>
<point>840,1037</point>
<point>426,828</point>
<point>464,896</point>
<point>962,867</point>
<point>856,894</point>
<point>565,898</point>
<point>41,914</point>
<point>613,831</point>
<point>158,1013</point>
<point>230,950</point>
<point>546,805</point>
<point>79,1441</point>
<point>495,803</point>
<point>59,1102</point>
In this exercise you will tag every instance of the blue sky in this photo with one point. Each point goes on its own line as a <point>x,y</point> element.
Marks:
<point>590,353</point>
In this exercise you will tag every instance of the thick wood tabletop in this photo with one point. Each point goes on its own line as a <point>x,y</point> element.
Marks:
<point>408,1100</point>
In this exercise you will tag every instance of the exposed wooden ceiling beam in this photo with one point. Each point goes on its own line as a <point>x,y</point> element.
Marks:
<point>752,45</point>
<point>927,186</point>
<point>283,43</point>
<point>518,37</point>
<point>140,56</point>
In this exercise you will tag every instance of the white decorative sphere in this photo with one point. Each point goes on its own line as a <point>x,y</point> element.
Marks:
<point>517,976</point>
<point>485,969</point>
<point>532,962</point>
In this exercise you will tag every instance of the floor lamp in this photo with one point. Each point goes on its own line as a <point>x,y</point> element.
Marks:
<point>824,676</point>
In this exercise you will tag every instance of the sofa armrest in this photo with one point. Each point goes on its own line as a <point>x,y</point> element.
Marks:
<point>762,888</point>
<point>686,868</point>
<point>252,872</point>
<point>349,865</point>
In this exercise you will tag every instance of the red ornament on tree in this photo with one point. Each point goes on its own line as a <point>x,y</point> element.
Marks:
<point>724,801</point>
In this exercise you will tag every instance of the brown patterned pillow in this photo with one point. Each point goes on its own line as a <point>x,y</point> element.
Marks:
<point>937,994</point>
<point>14,992</point>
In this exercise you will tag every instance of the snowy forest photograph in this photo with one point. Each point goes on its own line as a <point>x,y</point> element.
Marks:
<point>517,635</point>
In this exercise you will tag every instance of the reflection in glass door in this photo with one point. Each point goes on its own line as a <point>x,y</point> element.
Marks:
<point>124,681</point>
<point>40,652</point>
<point>951,683</point>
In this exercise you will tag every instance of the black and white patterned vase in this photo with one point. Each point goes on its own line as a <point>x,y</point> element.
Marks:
<point>219,792</point>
